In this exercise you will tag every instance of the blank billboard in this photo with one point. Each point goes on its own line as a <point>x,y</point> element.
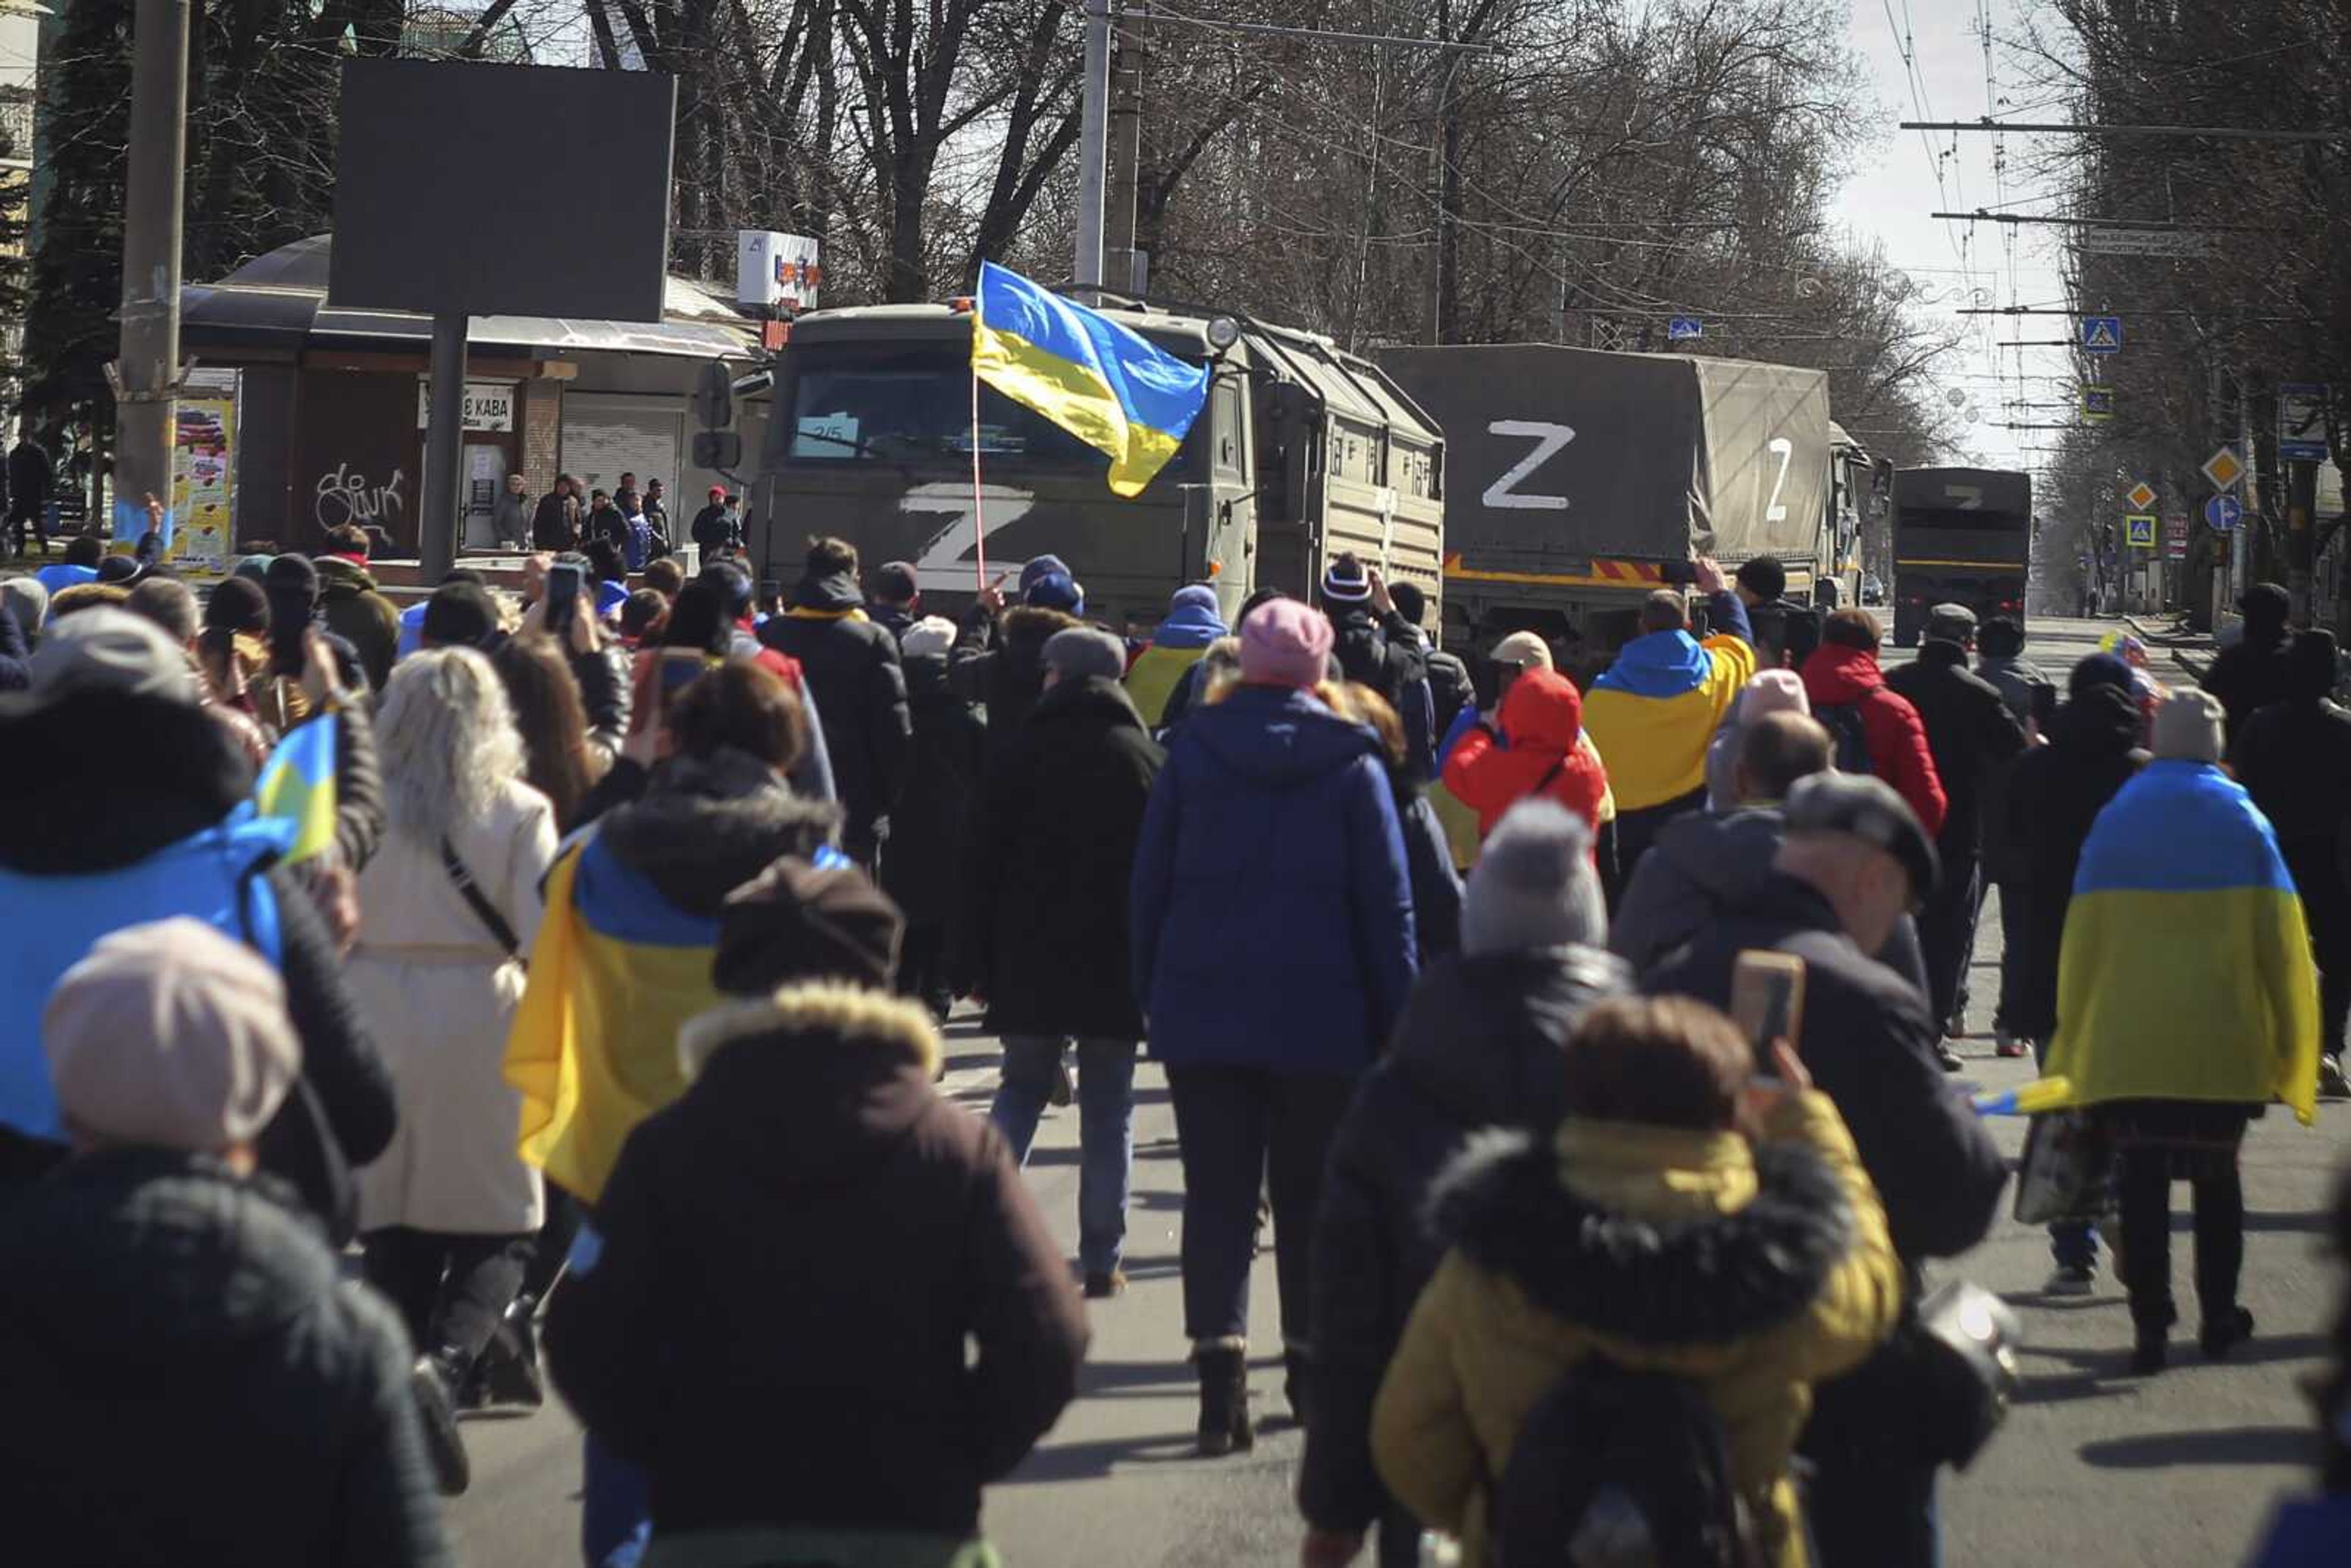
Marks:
<point>481,190</point>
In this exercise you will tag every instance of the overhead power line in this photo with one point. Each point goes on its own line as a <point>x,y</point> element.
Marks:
<point>1149,13</point>
<point>2216,132</point>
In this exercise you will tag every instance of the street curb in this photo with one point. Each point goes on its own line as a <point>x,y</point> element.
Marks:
<point>2196,666</point>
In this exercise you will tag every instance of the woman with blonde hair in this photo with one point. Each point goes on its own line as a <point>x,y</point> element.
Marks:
<point>449,906</point>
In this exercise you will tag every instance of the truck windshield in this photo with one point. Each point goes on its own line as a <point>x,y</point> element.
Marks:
<point>910,405</point>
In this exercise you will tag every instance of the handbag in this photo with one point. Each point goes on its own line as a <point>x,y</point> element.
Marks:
<point>1933,1394</point>
<point>484,910</point>
<point>2068,1169</point>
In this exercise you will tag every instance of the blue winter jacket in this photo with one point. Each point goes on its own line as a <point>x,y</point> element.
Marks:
<point>1271,907</point>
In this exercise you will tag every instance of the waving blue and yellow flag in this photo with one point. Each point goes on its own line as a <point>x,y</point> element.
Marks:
<point>297,785</point>
<point>1095,379</point>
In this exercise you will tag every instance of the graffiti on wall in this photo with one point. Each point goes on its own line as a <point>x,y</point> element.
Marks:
<point>343,496</point>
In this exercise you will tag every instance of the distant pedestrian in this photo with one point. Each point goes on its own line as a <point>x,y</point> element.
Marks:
<point>929,831</point>
<point>713,528</point>
<point>1972,737</point>
<point>31,476</point>
<point>852,667</point>
<point>353,608</point>
<point>604,521</point>
<point>1541,715</point>
<point>1044,938</point>
<point>1376,646</point>
<point>2250,674</point>
<point>1772,691</point>
<point>83,555</point>
<point>561,759</point>
<point>1877,730</point>
<point>1448,677</point>
<point>2293,758</point>
<point>656,513</point>
<point>1194,620</point>
<point>1655,710</point>
<point>1785,632</point>
<point>1273,948</point>
<point>1480,1044</point>
<point>2032,697</point>
<point>510,520</point>
<point>816,1304</point>
<point>555,522</point>
<point>893,597</point>
<point>2187,1002</point>
<point>999,657</point>
<point>157,1267</point>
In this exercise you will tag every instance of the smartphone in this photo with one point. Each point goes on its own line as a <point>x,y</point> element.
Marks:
<point>563,585</point>
<point>1767,998</point>
<point>1682,572</point>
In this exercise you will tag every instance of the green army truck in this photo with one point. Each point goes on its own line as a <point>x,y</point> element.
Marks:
<point>1302,452</point>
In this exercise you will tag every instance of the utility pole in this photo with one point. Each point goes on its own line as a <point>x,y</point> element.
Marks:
<point>1093,137</point>
<point>1122,266</point>
<point>150,373</point>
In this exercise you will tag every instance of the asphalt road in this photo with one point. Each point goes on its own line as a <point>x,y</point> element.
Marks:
<point>2094,1469</point>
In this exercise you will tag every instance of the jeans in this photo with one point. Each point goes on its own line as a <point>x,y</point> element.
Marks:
<point>2073,1243</point>
<point>2146,1194</point>
<point>1243,1128</point>
<point>1946,931</point>
<point>1871,1513</point>
<point>1105,1130</point>
<point>450,1289</point>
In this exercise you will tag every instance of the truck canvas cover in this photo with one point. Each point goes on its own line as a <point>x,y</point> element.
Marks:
<point>1556,457</point>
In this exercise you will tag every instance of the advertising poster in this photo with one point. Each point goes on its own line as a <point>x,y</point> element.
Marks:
<point>204,476</point>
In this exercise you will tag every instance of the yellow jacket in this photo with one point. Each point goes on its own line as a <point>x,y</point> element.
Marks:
<point>1516,1304</point>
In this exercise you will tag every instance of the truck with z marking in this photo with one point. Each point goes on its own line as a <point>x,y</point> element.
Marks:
<point>1578,482</point>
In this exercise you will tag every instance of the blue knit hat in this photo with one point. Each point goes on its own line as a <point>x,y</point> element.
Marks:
<point>1056,591</point>
<point>1038,567</point>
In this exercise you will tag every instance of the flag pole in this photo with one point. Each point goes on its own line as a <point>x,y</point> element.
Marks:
<point>978,508</point>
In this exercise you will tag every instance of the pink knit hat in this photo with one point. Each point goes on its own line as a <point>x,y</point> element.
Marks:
<point>1774,691</point>
<point>1285,643</point>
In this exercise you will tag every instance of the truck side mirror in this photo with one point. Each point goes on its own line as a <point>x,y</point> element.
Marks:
<point>714,399</point>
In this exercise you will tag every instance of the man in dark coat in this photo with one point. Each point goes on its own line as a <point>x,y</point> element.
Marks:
<point>1376,646</point>
<point>1479,1045</point>
<point>2251,674</point>
<point>555,525</point>
<point>187,1380</point>
<point>2294,758</point>
<point>1044,935</point>
<point>352,606</point>
<point>604,521</point>
<point>1854,859</point>
<point>998,656</point>
<point>713,528</point>
<point>2032,697</point>
<point>29,479</point>
<point>1972,735</point>
<point>851,666</point>
<point>927,831</point>
<point>1785,633</point>
<point>817,1302</point>
<point>894,596</point>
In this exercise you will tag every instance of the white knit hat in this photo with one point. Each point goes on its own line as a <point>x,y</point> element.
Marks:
<point>1534,885</point>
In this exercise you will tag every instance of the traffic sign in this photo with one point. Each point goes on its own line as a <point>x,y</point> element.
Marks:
<point>1684,329</point>
<point>2138,530</point>
<point>2175,536</point>
<point>2222,513</point>
<point>2224,468</point>
<point>2097,403</point>
<point>2141,496</point>
<point>2302,423</point>
<point>2102,334</point>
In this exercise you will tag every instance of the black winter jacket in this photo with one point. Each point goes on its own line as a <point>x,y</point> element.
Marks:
<point>927,842</point>
<point>2294,759</point>
<point>791,1261</point>
<point>188,1381</point>
<point>608,524</point>
<point>1048,861</point>
<point>1870,1047</point>
<point>1384,653</point>
<point>851,666</point>
<point>1003,666</point>
<point>1478,1046</point>
<point>713,530</point>
<point>15,672</point>
<point>2248,676</point>
<point>2055,794</point>
<point>552,526</point>
<point>137,773</point>
<point>1971,730</point>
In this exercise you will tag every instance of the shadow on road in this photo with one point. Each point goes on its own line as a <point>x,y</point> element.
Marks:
<point>2230,1446</point>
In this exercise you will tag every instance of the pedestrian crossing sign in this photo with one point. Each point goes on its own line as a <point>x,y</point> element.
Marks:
<point>2102,334</point>
<point>2138,530</point>
<point>2097,403</point>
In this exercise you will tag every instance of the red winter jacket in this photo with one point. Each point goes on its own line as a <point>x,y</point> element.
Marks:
<point>1542,713</point>
<point>1898,739</point>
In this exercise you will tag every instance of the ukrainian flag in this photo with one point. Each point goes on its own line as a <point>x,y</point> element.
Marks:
<point>1655,710</point>
<point>1095,379</point>
<point>297,785</point>
<point>617,968</point>
<point>2186,971</point>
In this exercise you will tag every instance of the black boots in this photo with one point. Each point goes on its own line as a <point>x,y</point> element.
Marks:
<point>435,1381</point>
<point>1296,1373</point>
<point>1224,1400</point>
<point>2225,1332</point>
<point>507,1376</point>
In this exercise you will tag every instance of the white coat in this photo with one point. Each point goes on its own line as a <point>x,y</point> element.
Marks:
<point>438,992</point>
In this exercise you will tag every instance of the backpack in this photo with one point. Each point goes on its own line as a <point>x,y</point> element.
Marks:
<point>1617,1469</point>
<point>1851,736</point>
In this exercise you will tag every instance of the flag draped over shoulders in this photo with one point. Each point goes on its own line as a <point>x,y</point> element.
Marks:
<point>593,1049</point>
<point>1655,711</point>
<point>2185,971</point>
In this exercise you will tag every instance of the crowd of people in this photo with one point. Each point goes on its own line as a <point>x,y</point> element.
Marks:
<point>605,1032</point>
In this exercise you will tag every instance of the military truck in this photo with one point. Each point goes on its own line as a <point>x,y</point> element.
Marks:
<point>1302,452</point>
<point>1579,482</point>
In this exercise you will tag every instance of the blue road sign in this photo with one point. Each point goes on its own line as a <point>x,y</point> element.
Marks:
<point>2102,334</point>
<point>2222,513</point>
<point>1684,329</point>
<point>2302,423</point>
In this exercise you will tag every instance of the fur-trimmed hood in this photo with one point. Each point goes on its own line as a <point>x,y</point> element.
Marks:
<point>1708,1282</point>
<point>708,825</point>
<point>827,1076</point>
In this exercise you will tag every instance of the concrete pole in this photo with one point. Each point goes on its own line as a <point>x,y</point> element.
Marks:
<point>1122,167</point>
<point>150,263</point>
<point>1094,134</point>
<point>436,534</point>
